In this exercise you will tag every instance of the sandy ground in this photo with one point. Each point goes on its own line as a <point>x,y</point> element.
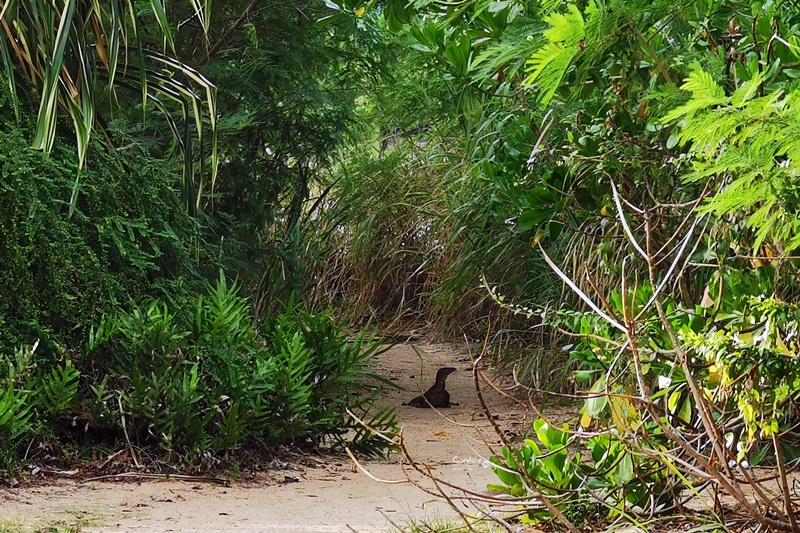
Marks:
<point>328,496</point>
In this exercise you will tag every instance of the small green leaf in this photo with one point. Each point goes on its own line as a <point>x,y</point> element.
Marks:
<point>672,142</point>
<point>672,403</point>
<point>685,412</point>
<point>624,471</point>
<point>595,405</point>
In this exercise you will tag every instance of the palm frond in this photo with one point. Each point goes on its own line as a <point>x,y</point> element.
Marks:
<point>68,49</point>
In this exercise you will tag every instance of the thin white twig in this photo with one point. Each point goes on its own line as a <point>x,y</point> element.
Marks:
<point>666,278</point>
<point>366,472</point>
<point>621,215</point>
<point>125,432</point>
<point>536,149</point>
<point>580,293</point>
<point>373,430</point>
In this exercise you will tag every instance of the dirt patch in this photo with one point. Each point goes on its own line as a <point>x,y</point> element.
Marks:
<point>316,494</point>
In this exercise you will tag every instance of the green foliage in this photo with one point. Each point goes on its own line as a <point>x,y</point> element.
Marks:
<point>290,391</point>
<point>127,237</point>
<point>30,397</point>
<point>86,236</point>
<point>388,239</point>
<point>749,145</point>
<point>169,404</point>
<point>411,227</point>
<point>607,474</point>
<point>199,383</point>
<point>549,63</point>
<point>206,382</point>
<point>503,168</point>
<point>751,348</point>
<point>287,91</point>
<point>585,167</point>
<point>15,414</point>
<point>551,466</point>
<point>733,354</point>
<point>338,376</point>
<point>59,388</point>
<point>222,317</point>
<point>68,65</point>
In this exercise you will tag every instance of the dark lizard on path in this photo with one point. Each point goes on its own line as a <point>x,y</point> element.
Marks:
<point>436,396</point>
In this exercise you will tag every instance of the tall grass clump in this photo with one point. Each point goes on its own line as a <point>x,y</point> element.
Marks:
<point>412,232</point>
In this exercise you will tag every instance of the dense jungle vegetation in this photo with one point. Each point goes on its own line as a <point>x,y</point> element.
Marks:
<point>206,208</point>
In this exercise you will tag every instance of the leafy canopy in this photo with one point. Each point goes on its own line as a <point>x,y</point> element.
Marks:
<point>750,146</point>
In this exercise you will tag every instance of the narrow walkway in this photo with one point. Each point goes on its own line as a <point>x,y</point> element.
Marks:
<point>311,496</point>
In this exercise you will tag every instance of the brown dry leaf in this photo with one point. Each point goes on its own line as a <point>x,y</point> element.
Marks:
<point>442,434</point>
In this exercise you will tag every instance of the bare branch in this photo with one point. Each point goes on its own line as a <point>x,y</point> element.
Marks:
<point>580,293</point>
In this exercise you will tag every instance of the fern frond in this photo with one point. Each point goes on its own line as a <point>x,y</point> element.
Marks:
<point>540,60</point>
<point>761,217</point>
<point>766,224</point>
<point>548,65</point>
<point>510,53</point>
<point>753,144</point>
<point>702,85</point>
<point>60,387</point>
<point>747,90</point>
<point>548,6</point>
<point>705,93</point>
<point>565,27</point>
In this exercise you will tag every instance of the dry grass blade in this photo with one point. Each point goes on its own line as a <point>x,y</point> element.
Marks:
<point>367,473</point>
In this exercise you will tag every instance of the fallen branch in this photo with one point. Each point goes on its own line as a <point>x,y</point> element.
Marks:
<point>166,477</point>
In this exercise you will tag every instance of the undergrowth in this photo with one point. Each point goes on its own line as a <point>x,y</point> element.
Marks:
<point>192,388</point>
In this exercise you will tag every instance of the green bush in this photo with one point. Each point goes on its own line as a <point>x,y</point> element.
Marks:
<point>29,397</point>
<point>341,375</point>
<point>128,237</point>
<point>609,474</point>
<point>198,384</point>
<point>210,381</point>
<point>710,390</point>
